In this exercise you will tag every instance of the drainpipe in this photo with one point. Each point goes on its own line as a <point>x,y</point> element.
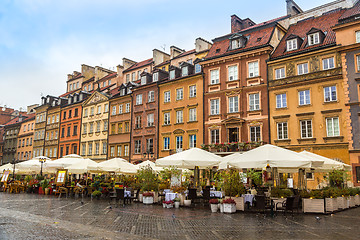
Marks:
<point>203,105</point>
<point>131,122</point>
<point>268,98</point>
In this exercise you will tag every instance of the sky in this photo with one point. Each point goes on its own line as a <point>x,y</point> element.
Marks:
<point>41,41</point>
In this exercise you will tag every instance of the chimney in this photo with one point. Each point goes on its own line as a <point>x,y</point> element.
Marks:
<point>175,51</point>
<point>70,76</point>
<point>202,45</point>
<point>120,76</point>
<point>159,57</point>
<point>87,71</point>
<point>292,8</point>
<point>238,24</point>
<point>127,63</point>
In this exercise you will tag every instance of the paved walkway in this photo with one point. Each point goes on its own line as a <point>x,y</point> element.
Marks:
<point>30,216</point>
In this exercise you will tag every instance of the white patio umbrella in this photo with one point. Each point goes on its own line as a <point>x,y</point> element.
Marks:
<point>7,167</point>
<point>328,164</point>
<point>151,164</point>
<point>271,155</point>
<point>190,159</point>
<point>64,162</point>
<point>224,164</point>
<point>32,165</point>
<point>84,166</point>
<point>118,165</point>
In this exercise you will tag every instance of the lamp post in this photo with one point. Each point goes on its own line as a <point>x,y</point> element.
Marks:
<point>14,162</point>
<point>42,160</point>
<point>148,155</point>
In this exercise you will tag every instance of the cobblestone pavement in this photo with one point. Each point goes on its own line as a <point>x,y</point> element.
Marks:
<point>30,216</point>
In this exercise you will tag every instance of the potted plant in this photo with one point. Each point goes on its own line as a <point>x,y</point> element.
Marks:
<point>96,194</point>
<point>330,194</point>
<point>279,195</point>
<point>234,188</point>
<point>177,202</point>
<point>221,205</point>
<point>315,203</point>
<point>148,197</point>
<point>214,205</point>
<point>229,205</point>
<point>149,181</point>
<point>45,186</point>
<point>168,204</point>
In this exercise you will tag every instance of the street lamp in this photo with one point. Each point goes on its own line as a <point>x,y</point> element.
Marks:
<point>14,162</point>
<point>148,155</point>
<point>42,160</point>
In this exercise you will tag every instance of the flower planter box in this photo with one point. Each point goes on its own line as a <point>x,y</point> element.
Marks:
<point>169,205</point>
<point>177,204</point>
<point>221,207</point>
<point>214,207</point>
<point>140,197</point>
<point>148,200</point>
<point>352,201</point>
<point>341,202</point>
<point>357,199</point>
<point>240,203</point>
<point>229,207</point>
<point>187,203</point>
<point>331,204</point>
<point>313,205</point>
<point>347,202</point>
<point>182,198</point>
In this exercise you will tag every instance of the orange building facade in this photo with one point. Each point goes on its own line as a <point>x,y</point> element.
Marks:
<point>25,139</point>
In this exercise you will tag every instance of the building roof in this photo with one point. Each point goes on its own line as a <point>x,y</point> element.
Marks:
<point>68,93</point>
<point>16,119</point>
<point>139,65</point>
<point>302,28</point>
<point>89,80</point>
<point>75,77</point>
<point>110,76</point>
<point>184,54</point>
<point>351,12</point>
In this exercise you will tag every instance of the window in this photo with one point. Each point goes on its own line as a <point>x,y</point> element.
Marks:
<point>84,128</point>
<point>235,43</point>
<point>75,114</point>
<point>192,114</point>
<point>172,74</point>
<point>233,104</point>
<point>179,116</point>
<point>112,151</point>
<point>90,146</point>
<point>281,100</point>
<point>291,44</point>
<point>119,127</point>
<point>330,94</point>
<point>127,78</point>
<point>119,150</point>
<point>105,125</point>
<point>137,149</point>
<point>192,91</point>
<point>127,127</point>
<point>156,77</point>
<point>139,74</point>
<point>86,112</point>
<point>358,62</point>
<point>98,126</point>
<point>233,73</point>
<point>150,120</point>
<point>151,96</point>
<point>92,111</point>
<point>179,94</point>
<point>313,39</point>
<point>304,97</point>
<point>167,118</point>
<point>179,143</point>
<point>104,147</point>
<point>133,76</point>
<point>138,99</point>
<point>150,145</point>
<point>83,150</point>
<point>106,108</point>
<point>167,96</point>
<point>166,143</point>
<point>282,130</point>
<point>97,148</point>
<point>332,127</point>
<point>214,107</point>
<point>192,141</point>
<point>143,80</point>
<point>279,73</point>
<point>120,109</point>
<point>99,109</point>
<point>112,129</point>
<point>113,111</point>
<point>328,63</point>
<point>127,108</point>
<point>63,132</point>
<point>302,68</point>
<point>70,113</point>
<point>68,132</point>
<point>306,128</point>
<point>214,76</point>
<point>184,71</point>
<point>253,69</point>
<point>254,102</point>
<point>197,68</point>
<point>138,122</point>
<point>104,84</point>
<point>91,128</point>
<point>215,136</point>
<point>49,118</point>
<point>126,150</point>
<point>255,134</point>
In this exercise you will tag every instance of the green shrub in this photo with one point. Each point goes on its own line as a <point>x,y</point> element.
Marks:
<point>233,186</point>
<point>279,192</point>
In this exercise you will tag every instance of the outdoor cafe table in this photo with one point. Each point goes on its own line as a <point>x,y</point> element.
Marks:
<point>127,193</point>
<point>217,194</point>
<point>249,198</point>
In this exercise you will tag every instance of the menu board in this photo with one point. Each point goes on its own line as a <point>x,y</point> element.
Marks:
<point>5,176</point>
<point>61,177</point>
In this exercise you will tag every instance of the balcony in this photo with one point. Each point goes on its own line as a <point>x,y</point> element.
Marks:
<point>231,147</point>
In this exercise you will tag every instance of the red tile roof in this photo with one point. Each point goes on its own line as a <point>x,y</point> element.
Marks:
<point>76,77</point>
<point>185,53</point>
<point>139,65</point>
<point>112,75</point>
<point>16,119</point>
<point>68,93</point>
<point>301,28</point>
<point>355,10</point>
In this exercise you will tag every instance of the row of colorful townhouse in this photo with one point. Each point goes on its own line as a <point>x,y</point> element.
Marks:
<point>292,81</point>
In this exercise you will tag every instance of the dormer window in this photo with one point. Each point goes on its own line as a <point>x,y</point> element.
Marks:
<point>235,43</point>
<point>156,77</point>
<point>197,68</point>
<point>143,80</point>
<point>122,92</point>
<point>172,74</point>
<point>313,39</point>
<point>291,44</point>
<point>184,71</point>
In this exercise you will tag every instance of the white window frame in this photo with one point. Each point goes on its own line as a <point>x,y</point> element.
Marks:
<point>179,116</point>
<point>120,109</point>
<point>233,104</point>
<point>255,136</point>
<point>253,69</point>
<point>167,118</point>
<point>166,141</point>
<point>215,136</point>
<point>137,146</point>
<point>139,99</point>
<point>291,44</point>
<point>192,141</point>
<point>214,76</point>
<point>179,143</point>
<point>328,93</point>
<point>254,101</point>
<point>302,68</point>
<point>143,80</point>
<point>150,120</point>
<point>192,91</point>
<point>280,73</point>
<point>197,68</point>
<point>314,39</point>
<point>172,74</point>
<point>113,111</point>
<point>192,114</point>
<point>127,108</point>
<point>151,96</point>
<point>185,71</point>
<point>328,63</point>
<point>304,99</point>
<point>215,106</point>
<point>179,94</point>
<point>155,77</point>
<point>282,130</point>
<point>167,97</point>
<point>308,132</point>
<point>331,128</point>
<point>233,73</point>
<point>281,100</point>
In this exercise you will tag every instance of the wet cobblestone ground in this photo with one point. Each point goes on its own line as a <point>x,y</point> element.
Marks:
<point>29,216</point>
